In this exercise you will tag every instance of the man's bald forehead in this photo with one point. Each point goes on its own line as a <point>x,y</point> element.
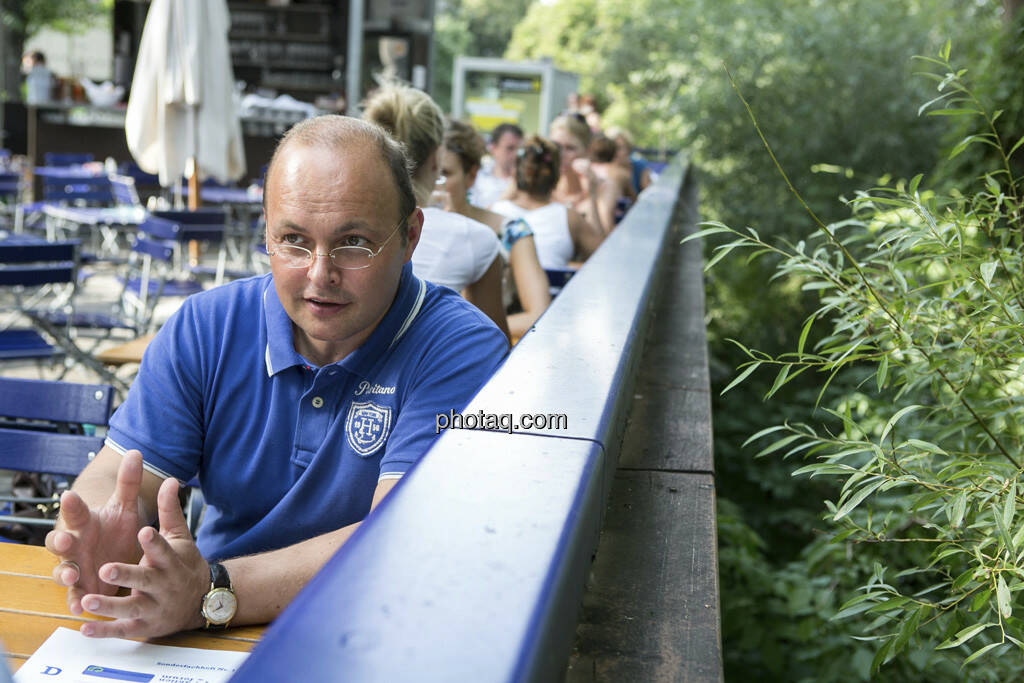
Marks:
<point>346,136</point>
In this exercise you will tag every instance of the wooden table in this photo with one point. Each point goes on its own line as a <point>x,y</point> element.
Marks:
<point>129,352</point>
<point>32,606</point>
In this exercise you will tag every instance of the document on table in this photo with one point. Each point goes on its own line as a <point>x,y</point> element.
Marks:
<point>69,657</point>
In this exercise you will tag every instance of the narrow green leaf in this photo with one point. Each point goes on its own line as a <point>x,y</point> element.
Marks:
<point>978,654</point>
<point>988,269</point>
<point>1010,506</point>
<point>722,252</point>
<point>964,635</point>
<point>742,376</point>
<point>952,112</point>
<point>717,228</point>
<point>781,443</point>
<point>824,468</point>
<point>895,418</point>
<point>909,628</point>
<point>1004,533</point>
<point>853,501</point>
<point>880,656</point>
<point>764,432</point>
<point>1003,597</point>
<point>959,508</point>
<point>980,600</point>
<point>925,446</point>
<point>891,603</point>
<point>944,53</point>
<point>961,146</point>
<point>883,372</point>
<point>914,182</point>
<point>780,379</point>
<point>803,336</point>
<point>1015,147</point>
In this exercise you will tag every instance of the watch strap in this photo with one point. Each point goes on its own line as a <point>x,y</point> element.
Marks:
<point>219,576</point>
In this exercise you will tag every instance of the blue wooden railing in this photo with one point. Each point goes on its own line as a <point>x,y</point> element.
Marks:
<point>473,568</point>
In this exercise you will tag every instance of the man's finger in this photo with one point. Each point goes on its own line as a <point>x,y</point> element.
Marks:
<point>169,512</point>
<point>75,595</point>
<point>126,575</point>
<point>74,513</point>
<point>67,573</point>
<point>129,607</point>
<point>129,481</point>
<point>60,543</point>
<point>122,628</point>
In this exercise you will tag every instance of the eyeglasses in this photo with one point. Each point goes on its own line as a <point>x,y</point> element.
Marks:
<point>346,258</point>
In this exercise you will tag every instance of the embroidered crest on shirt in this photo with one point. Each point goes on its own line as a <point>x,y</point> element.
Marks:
<point>367,426</point>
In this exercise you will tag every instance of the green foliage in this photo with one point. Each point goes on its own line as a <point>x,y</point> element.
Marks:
<point>25,19</point>
<point>920,300</point>
<point>470,28</point>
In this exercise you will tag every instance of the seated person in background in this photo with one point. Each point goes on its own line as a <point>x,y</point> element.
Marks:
<point>494,180</point>
<point>633,163</point>
<point>602,160</point>
<point>579,187</point>
<point>562,234</point>
<point>299,398</point>
<point>460,161</point>
<point>453,251</point>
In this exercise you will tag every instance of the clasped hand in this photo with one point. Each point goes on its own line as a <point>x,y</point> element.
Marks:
<point>104,549</point>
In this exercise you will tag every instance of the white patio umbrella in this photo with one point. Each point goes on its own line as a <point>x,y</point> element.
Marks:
<point>181,106</point>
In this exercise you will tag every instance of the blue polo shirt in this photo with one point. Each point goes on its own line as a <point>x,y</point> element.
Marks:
<point>284,450</point>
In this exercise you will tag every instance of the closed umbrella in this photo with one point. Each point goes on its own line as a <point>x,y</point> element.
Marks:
<point>181,116</point>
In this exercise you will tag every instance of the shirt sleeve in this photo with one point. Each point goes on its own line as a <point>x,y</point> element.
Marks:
<point>161,415</point>
<point>483,245</point>
<point>461,357</point>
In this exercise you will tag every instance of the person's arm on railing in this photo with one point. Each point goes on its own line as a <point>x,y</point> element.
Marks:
<point>485,294</point>
<point>531,284</point>
<point>586,237</point>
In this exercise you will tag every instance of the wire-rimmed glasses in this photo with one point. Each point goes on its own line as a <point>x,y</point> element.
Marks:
<point>346,258</point>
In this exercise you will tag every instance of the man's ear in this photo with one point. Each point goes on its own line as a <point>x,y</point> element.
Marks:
<point>415,224</point>
<point>471,175</point>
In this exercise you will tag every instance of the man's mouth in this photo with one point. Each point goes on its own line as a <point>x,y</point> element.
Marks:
<point>323,304</point>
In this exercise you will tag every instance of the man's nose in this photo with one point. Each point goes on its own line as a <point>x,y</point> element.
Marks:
<point>323,269</point>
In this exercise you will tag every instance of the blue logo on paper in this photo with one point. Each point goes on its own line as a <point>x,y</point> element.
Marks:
<point>50,671</point>
<point>367,426</point>
<point>116,674</point>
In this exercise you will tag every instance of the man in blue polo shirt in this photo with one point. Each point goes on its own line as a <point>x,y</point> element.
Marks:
<point>298,399</point>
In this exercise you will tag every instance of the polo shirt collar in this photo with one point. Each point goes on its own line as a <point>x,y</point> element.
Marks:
<point>280,351</point>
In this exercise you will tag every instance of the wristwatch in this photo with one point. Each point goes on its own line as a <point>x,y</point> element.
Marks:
<point>219,603</point>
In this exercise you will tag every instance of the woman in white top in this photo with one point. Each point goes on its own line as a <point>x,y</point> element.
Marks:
<point>453,251</point>
<point>460,161</point>
<point>562,234</point>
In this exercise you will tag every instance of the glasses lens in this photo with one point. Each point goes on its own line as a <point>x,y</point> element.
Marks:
<point>292,257</point>
<point>351,258</point>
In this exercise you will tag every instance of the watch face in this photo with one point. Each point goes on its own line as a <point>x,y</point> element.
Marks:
<point>219,605</point>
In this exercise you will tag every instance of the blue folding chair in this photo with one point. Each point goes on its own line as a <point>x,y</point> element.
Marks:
<point>558,278</point>
<point>33,271</point>
<point>49,427</point>
<point>158,268</point>
<point>67,158</point>
<point>10,195</point>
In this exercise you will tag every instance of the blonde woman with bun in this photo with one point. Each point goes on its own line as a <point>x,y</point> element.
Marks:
<point>562,234</point>
<point>453,251</point>
<point>579,187</point>
<point>460,162</point>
